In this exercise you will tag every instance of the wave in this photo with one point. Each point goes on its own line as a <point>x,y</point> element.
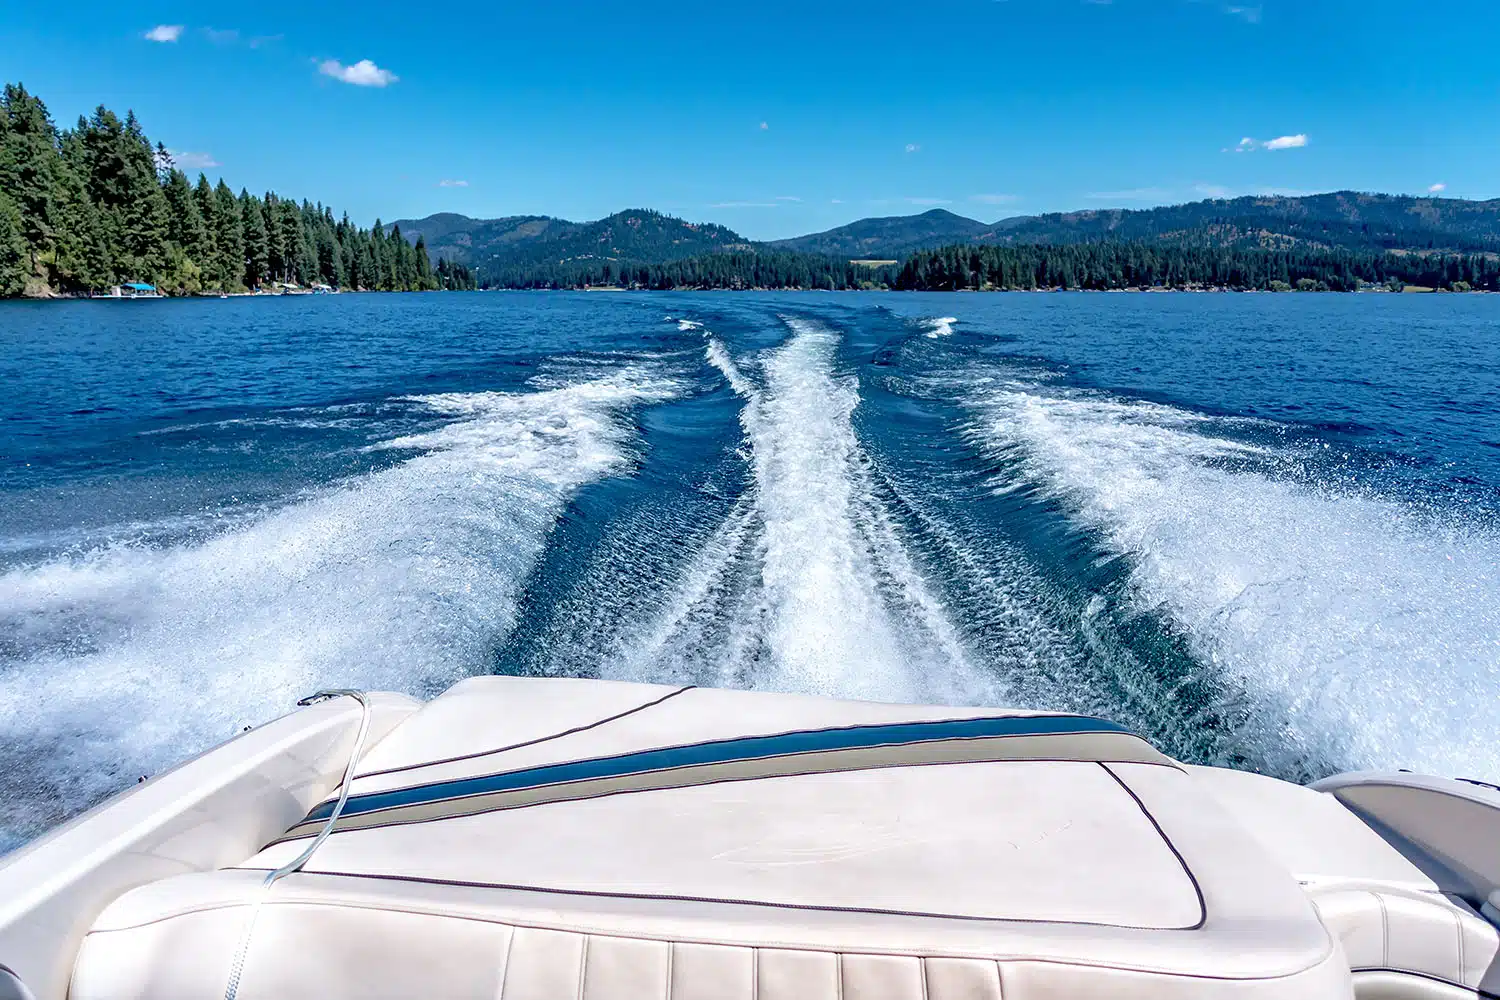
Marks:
<point>941,327</point>
<point>1370,628</point>
<point>807,584</point>
<point>123,660</point>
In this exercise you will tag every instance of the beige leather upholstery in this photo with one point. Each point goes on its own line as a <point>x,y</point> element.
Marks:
<point>1423,933</point>
<point>980,878</point>
<point>330,937</point>
<point>1403,938</point>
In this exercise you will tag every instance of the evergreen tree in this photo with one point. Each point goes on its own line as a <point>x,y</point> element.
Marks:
<point>257,243</point>
<point>28,167</point>
<point>229,240</point>
<point>13,251</point>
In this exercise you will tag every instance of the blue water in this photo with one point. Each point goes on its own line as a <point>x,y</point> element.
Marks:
<point>1262,530</point>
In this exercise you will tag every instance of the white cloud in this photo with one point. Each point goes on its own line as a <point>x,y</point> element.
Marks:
<point>912,147</point>
<point>445,183</point>
<point>1287,142</point>
<point>164,33</point>
<point>787,197</point>
<point>743,204</point>
<point>835,201</point>
<point>1249,14</point>
<point>1249,145</point>
<point>192,161</point>
<point>927,201</point>
<point>995,199</point>
<point>227,36</point>
<point>362,74</point>
<point>1212,190</point>
<point>1437,188</point>
<point>1133,194</point>
<point>765,126</point>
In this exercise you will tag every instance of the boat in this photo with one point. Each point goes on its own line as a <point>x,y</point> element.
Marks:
<point>130,290</point>
<point>535,838</point>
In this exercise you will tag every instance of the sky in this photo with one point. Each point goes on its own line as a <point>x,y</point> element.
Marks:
<point>782,118</point>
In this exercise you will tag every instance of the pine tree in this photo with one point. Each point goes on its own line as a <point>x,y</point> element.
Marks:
<point>13,250</point>
<point>257,245</point>
<point>425,278</point>
<point>229,240</point>
<point>28,167</point>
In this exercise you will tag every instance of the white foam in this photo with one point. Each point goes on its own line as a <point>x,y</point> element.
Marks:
<point>837,603</point>
<point>941,327</point>
<point>686,324</point>
<point>1371,628</point>
<point>402,579</point>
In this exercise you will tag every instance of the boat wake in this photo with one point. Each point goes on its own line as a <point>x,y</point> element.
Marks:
<point>125,659</point>
<point>1369,630</point>
<point>807,585</point>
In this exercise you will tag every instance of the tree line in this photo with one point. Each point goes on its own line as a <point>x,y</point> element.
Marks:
<point>735,270</point>
<point>1111,265</point>
<point>85,208</point>
<point>1094,266</point>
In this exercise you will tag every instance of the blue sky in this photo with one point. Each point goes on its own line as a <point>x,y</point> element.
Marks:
<point>782,118</point>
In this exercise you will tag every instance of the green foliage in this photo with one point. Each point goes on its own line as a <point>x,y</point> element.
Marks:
<point>1153,265</point>
<point>529,241</point>
<point>1093,266</point>
<point>98,204</point>
<point>13,263</point>
<point>738,270</point>
<point>1340,220</point>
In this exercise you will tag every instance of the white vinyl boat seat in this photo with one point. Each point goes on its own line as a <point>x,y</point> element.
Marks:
<point>629,841</point>
<point>1402,937</point>
<point>1388,930</point>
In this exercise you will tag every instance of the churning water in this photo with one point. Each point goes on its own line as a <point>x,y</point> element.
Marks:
<point>1262,530</point>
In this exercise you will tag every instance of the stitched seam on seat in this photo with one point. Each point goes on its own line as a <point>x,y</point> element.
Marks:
<point>1000,978</point>
<point>585,727</point>
<point>1458,926</point>
<point>1162,833</point>
<point>922,966</point>
<point>671,950</point>
<point>788,945</point>
<point>1385,930</point>
<point>838,985</point>
<point>510,946</point>
<point>1477,990</point>
<point>808,907</point>
<point>755,974</point>
<point>583,965</point>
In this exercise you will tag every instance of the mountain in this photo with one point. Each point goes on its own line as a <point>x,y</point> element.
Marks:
<point>891,236</point>
<point>526,240</point>
<point>1339,220</point>
<point>1344,219</point>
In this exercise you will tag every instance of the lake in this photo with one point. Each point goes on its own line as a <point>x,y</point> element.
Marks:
<point>1262,530</point>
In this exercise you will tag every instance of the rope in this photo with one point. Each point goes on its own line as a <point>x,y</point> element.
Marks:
<point>237,968</point>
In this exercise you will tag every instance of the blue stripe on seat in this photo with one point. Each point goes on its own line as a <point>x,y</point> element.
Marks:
<point>722,752</point>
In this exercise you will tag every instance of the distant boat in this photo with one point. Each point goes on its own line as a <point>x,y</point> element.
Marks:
<point>130,290</point>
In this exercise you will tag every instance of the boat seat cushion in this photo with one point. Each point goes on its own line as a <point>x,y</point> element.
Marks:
<point>337,938</point>
<point>1421,933</point>
<point>628,841</point>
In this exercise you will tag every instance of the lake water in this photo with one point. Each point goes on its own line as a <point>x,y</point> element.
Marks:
<point>1262,530</point>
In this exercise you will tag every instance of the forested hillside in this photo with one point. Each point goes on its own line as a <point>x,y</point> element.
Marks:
<point>91,206</point>
<point>522,241</point>
<point>891,236</point>
<point>1345,220</point>
<point>1092,266</point>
